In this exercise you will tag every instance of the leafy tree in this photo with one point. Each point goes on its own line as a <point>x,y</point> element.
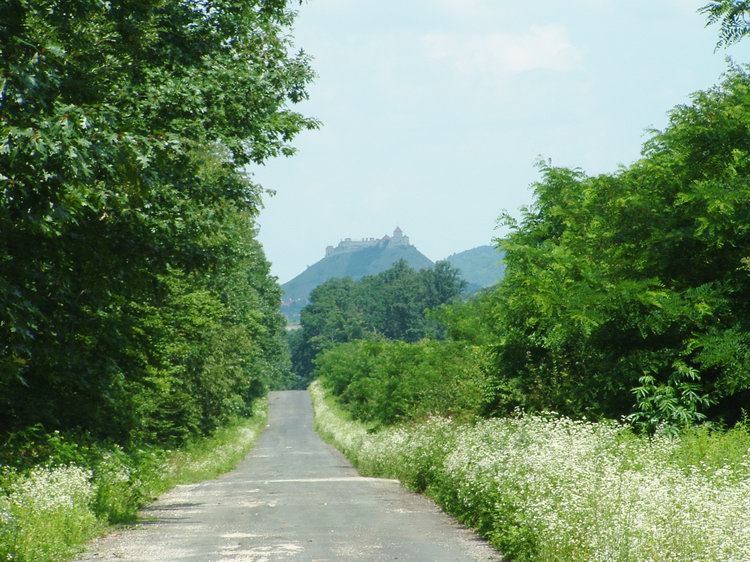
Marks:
<point>394,302</point>
<point>467,320</point>
<point>387,382</point>
<point>441,284</point>
<point>392,305</point>
<point>333,316</point>
<point>628,293</point>
<point>733,17</point>
<point>130,278</point>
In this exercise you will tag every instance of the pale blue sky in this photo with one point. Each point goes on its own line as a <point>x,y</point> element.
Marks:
<point>434,111</point>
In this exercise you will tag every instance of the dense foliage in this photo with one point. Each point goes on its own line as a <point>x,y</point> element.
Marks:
<point>136,303</point>
<point>392,304</point>
<point>629,293</point>
<point>386,382</point>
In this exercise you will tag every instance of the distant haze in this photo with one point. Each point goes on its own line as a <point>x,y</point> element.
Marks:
<point>434,111</point>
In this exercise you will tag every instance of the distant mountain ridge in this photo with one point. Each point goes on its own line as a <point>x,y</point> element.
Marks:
<point>480,267</point>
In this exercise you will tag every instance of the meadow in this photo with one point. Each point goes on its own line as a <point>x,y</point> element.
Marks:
<point>546,487</point>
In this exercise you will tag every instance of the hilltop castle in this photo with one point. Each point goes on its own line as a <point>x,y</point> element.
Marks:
<point>349,245</point>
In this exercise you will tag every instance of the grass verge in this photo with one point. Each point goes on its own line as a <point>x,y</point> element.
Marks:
<point>47,513</point>
<point>546,488</point>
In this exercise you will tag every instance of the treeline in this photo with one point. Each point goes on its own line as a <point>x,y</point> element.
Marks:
<point>625,294</point>
<point>137,305</point>
<point>628,293</point>
<point>384,382</point>
<point>391,305</point>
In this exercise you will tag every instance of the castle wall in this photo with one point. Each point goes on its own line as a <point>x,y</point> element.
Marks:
<point>349,245</point>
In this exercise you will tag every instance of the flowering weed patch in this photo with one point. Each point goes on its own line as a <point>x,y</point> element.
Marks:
<point>549,488</point>
<point>48,512</point>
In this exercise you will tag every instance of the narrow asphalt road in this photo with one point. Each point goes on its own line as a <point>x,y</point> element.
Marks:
<point>293,498</point>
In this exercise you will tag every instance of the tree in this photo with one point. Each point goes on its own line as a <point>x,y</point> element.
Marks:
<point>392,305</point>
<point>733,17</point>
<point>628,293</point>
<point>131,279</point>
<point>333,316</point>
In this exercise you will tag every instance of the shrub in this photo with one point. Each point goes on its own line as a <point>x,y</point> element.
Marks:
<point>388,381</point>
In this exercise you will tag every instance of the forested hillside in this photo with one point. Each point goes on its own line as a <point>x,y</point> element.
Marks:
<point>137,306</point>
<point>479,267</point>
<point>356,265</point>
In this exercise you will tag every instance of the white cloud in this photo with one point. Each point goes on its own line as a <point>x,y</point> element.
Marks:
<point>545,47</point>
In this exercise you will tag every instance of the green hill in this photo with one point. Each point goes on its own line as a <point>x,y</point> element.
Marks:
<point>480,267</point>
<point>355,264</point>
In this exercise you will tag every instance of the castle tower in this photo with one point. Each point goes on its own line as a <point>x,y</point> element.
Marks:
<point>398,238</point>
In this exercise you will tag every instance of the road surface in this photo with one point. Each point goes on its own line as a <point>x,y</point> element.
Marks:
<point>293,498</point>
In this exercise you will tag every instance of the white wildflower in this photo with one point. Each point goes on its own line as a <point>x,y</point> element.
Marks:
<point>585,491</point>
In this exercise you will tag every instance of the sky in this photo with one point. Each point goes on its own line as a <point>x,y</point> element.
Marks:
<point>434,112</point>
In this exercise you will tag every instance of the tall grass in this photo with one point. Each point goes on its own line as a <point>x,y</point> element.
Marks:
<point>553,489</point>
<point>45,513</point>
<point>49,512</point>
